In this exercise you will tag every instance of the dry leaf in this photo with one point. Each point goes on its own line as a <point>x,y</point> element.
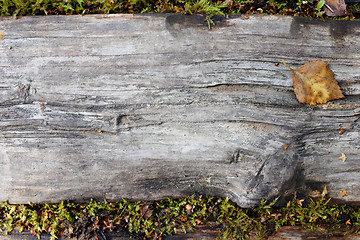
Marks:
<point>276,215</point>
<point>198,221</point>
<point>341,131</point>
<point>314,83</point>
<point>315,194</point>
<point>300,201</point>
<point>189,209</point>
<point>145,211</point>
<point>325,192</point>
<point>2,35</point>
<point>335,8</point>
<point>286,147</point>
<point>343,157</point>
<point>183,218</point>
<point>344,193</point>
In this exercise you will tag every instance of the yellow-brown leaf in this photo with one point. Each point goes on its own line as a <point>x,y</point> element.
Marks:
<point>343,157</point>
<point>335,8</point>
<point>314,194</point>
<point>2,35</point>
<point>314,83</point>
<point>344,193</point>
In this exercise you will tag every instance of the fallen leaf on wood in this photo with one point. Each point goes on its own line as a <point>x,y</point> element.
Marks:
<point>335,8</point>
<point>314,83</point>
<point>344,193</point>
<point>286,147</point>
<point>341,131</point>
<point>2,35</point>
<point>343,157</point>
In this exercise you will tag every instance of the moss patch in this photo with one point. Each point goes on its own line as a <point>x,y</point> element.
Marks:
<point>209,8</point>
<point>153,220</point>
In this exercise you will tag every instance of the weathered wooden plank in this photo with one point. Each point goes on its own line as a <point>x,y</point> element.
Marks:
<point>182,108</point>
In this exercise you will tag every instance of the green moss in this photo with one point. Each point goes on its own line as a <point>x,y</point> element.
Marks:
<point>152,220</point>
<point>354,8</point>
<point>208,8</point>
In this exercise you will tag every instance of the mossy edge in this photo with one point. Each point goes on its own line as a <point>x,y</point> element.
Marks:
<point>156,219</point>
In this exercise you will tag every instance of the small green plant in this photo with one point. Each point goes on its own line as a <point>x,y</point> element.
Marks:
<point>277,5</point>
<point>319,8</point>
<point>206,7</point>
<point>355,7</point>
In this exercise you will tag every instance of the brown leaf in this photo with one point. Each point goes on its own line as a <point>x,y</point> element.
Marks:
<point>2,35</point>
<point>189,209</point>
<point>314,83</point>
<point>183,218</point>
<point>335,8</point>
<point>198,221</point>
<point>276,215</point>
<point>341,131</point>
<point>300,201</point>
<point>315,194</point>
<point>344,193</point>
<point>145,211</point>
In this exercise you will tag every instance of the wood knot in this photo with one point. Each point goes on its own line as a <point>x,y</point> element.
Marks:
<point>122,120</point>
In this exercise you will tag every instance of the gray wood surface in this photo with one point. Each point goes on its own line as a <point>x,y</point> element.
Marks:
<point>182,108</point>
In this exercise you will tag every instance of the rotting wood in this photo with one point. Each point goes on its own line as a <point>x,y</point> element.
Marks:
<point>150,106</point>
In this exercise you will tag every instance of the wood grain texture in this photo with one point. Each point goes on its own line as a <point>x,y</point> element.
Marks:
<point>182,108</point>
